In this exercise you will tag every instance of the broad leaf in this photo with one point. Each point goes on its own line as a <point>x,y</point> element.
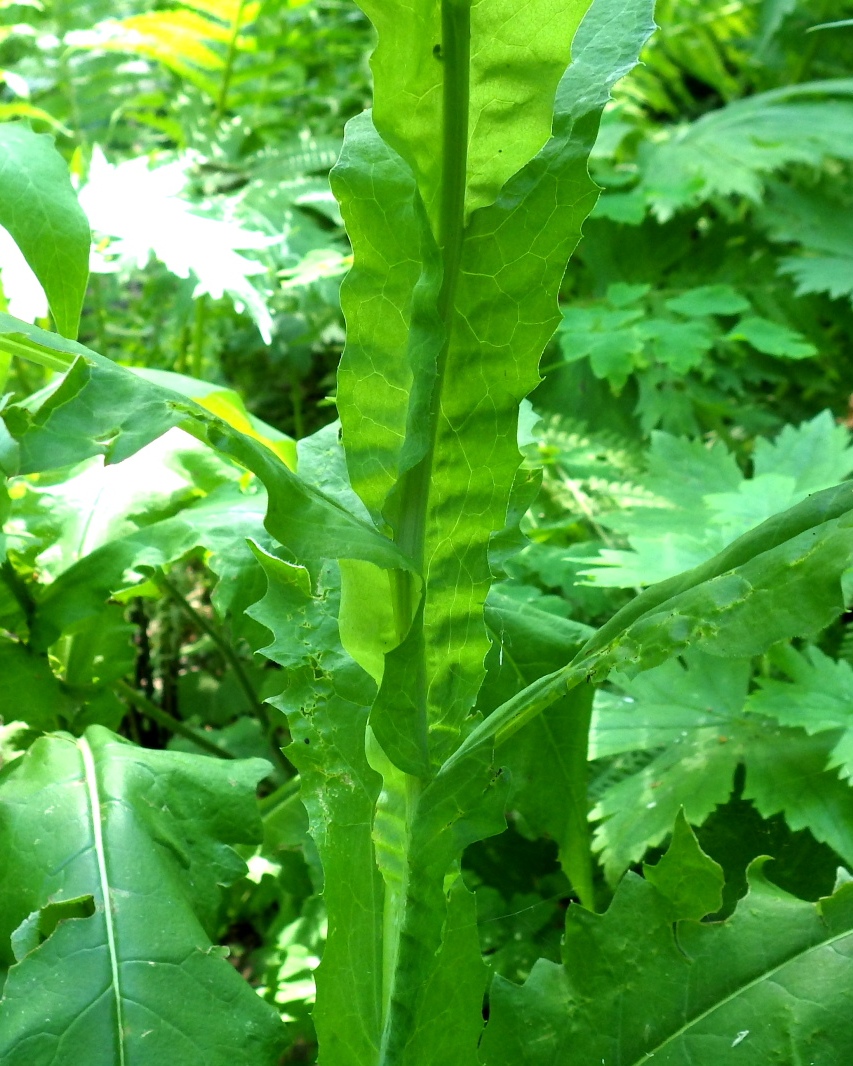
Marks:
<point>690,992</point>
<point>101,408</point>
<point>787,578</point>
<point>106,917</point>
<point>39,209</point>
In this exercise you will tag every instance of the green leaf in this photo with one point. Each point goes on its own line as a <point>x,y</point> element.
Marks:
<point>517,57</point>
<point>30,692</point>
<point>145,837</point>
<point>822,228</point>
<point>101,408</point>
<point>784,579</point>
<point>705,503</point>
<point>788,774</point>
<point>326,698</point>
<point>728,151</point>
<point>708,300</point>
<point>695,992</point>
<point>39,209</point>
<point>438,464</point>
<point>772,338</point>
<point>547,760</point>
<point>818,698</point>
<point>686,876</point>
<point>220,523</point>
<point>690,719</point>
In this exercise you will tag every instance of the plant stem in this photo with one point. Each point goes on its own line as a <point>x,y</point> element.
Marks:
<point>198,335</point>
<point>174,725</point>
<point>283,796</point>
<point>398,944</point>
<point>232,659</point>
<point>227,73</point>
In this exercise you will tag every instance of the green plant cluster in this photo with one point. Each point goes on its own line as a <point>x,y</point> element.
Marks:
<point>414,649</point>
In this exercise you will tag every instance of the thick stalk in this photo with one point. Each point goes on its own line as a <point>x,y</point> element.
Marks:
<point>414,500</point>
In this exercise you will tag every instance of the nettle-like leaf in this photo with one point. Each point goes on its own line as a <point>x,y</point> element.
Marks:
<point>689,991</point>
<point>729,151</point>
<point>39,209</point>
<point>632,332</point>
<point>822,228</point>
<point>113,860</point>
<point>818,697</point>
<point>697,726</point>
<point>705,502</point>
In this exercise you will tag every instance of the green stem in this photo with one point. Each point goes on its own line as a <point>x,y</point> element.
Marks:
<point>24,349</point>
<point>198,335</point>
<point>414,500</point>
<point>225,85</point>
<point>232,659</point>
<point>456,49</point>
<point>174,725</point>
<point>283,796</point>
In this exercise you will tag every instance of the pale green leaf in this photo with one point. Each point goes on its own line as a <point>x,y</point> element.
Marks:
<point>705,503</point>
<point>517,57</point>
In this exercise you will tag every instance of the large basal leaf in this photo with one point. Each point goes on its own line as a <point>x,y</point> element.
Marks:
<point>113,857</point>
<point>648,983</point>
<point>39,209</point>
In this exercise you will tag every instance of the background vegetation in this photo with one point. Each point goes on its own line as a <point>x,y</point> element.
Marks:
<point>700,382</point>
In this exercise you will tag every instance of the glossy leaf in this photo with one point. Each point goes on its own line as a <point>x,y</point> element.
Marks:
<point>39,208</point>
<point>106,916</point>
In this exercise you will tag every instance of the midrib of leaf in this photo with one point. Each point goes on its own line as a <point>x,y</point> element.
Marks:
<point>100,855</point>
<point>740,991</point>
<point>416,483</point>
<point>456,55</point>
